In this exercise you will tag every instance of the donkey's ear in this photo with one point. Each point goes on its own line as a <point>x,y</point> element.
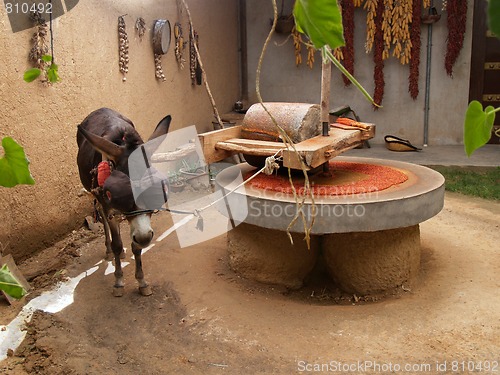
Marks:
<point>105,147</point>
<point>162,127</point>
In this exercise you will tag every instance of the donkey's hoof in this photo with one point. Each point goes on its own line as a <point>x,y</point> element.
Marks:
<point>109,257</point>
<point>122,255</point>
<point>118,291</point>
<point>146,290</point>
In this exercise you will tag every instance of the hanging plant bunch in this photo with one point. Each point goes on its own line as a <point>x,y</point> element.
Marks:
<point>348,50</point>
<point>378,41</point>
<point>123,43</point>
<point>400,29</point>
<point>158,68</point>
<point>371,8</point>
<point>179,45</point>
<point>194,66</point>
<point>457,19</point>
<point>39,44</point>
<point>310,56</point>
<point>297,46</point>
<point>415,50</point>
<point>386,27</point>
<point>140,27</point>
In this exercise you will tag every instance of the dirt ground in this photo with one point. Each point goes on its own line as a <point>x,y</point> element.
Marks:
<point>204,319</point>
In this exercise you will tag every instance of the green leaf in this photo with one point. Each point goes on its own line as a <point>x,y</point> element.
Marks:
<point>47,58</point>
<point>343,70</point>
<point>9,284</point>
<point>477,126</point>
<point>494,16</point>
<point>52,73</point>
<point>14,166</point>
<point>321,21</point>
<point>31,74</point>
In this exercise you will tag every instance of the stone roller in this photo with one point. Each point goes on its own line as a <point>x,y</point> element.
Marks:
<point>300,121</point>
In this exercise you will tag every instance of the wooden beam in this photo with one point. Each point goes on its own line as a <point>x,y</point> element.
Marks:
<point>209,140</point>
<point>179,153</point>
<point>250,146</point>
<point>318,150</point>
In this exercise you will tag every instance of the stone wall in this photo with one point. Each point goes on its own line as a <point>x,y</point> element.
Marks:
<point>44,118</point>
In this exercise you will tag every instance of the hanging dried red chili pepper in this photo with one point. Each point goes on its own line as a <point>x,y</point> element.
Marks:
<point>457,19</point>
<point>415,50</point>
<point>348,50</point>
<point>378,50</point>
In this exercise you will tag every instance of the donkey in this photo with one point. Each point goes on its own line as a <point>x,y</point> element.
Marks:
<point>105,140</point>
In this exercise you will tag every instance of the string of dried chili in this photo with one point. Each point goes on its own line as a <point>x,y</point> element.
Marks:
<point>415,50</point>
<point>378,50</point>
<point>348,50</point>
<point>457,19</point>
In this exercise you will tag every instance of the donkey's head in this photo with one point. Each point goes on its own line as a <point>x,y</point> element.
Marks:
<point>116,193</point>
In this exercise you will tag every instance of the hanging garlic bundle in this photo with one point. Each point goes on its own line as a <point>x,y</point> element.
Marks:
<point>179,45</point>
<point>158,68</point>
<point>140,27</point>
<point>39,47</point>
<point>123,41</point>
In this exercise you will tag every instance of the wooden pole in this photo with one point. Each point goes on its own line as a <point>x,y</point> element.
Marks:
<point>326,78</point>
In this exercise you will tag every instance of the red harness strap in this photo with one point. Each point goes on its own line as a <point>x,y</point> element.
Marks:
<point>103,172</point>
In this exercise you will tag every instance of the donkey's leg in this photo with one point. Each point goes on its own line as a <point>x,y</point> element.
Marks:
<point>144,288</point>
<point>117,247</point>
<point>107,234</point>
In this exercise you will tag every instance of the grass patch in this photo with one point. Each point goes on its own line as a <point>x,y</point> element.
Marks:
<point>476,181</point>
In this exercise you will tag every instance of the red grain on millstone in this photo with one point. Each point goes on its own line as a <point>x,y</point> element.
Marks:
<point>378,177</point>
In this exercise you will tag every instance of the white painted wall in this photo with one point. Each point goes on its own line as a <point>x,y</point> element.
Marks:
<point>281,80</point>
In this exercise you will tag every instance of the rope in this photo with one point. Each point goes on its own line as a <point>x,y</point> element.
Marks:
<point>270,166</point>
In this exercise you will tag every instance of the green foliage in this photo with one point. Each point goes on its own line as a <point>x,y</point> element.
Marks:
<point>494,16</point>
<point>473,181</point>
<point>477,126</point>
<point>50,71</point>
<point>478,123</point>
<point>321,21</point>
<point>14,166</point>
<point>9,284</point>
<point>31,74</point>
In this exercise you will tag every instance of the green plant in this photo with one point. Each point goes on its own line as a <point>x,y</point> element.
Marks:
<point>14,166</point>
<point>50,71</point>
<point>192,166</point>
<point>478,121</point>
<point>321,21</point>
<point>473,181</point>
<point>9,284</point>
<point>14,170</point>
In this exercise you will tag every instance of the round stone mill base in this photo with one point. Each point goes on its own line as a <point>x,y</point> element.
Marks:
<point>359,262</point>
<point>369,242</point>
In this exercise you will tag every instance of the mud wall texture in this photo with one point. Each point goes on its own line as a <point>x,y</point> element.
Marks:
<point>402,116</point>
<point>44,118</point>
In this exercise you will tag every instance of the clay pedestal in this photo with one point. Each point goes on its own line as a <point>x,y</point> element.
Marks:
<point>267,256</point>
<point>371,262</point>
